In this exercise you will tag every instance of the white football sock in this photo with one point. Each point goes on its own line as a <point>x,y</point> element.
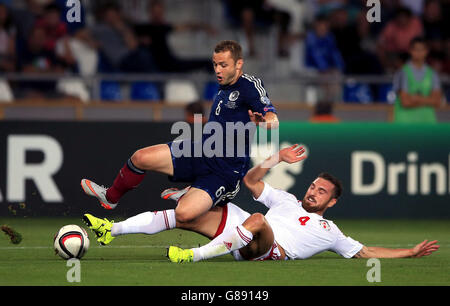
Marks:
<point>225,243</point>
<point>150,222</point>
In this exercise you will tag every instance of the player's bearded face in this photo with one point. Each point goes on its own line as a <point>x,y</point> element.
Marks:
<point>319,196</point>
<point>226,68</point>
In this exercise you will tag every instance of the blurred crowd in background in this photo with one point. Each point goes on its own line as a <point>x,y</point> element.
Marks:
<point>133,36</point>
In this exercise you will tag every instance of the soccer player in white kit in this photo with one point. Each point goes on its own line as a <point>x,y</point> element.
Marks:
<point>291,229</point>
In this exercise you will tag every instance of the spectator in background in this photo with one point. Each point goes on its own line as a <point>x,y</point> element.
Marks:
<point>323,112</point>
<point>435,32</point>
<point>37,59</point>
<point>79,51</point>
<point>322,55</point>
<point>349,37</point>
<point>250,14</point>
<point>192,109</point>
<point>417,86</point>
<point>77,48</point>
<point>51,23</point>
<point>25,19</point>
<point>7,41</point>
<point>394,40</point>
<point>387,13</point>
<point>433,22</point>
<point>154,37</point>
<point>118,43</point>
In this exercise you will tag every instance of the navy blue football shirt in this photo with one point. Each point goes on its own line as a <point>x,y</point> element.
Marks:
<point>230,111</point>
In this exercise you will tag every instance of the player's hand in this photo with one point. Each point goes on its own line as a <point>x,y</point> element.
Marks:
<point>424,248</point>
<point>269,120</point>
<point>292,154</point>
<point>255,117</point>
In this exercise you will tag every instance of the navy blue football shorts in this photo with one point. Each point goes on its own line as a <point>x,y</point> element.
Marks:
<point>221,183</point>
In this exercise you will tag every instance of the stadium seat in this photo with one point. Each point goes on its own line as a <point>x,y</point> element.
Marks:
<point>74,87</point>
<point>110,91</point>
<point>385,93</point>
<point>6,95</point>
<point>357,93</point>
<point>180,92</point>
<point>210,90</point>
<point>145,91</point>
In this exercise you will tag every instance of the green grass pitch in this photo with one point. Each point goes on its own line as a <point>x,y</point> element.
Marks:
<point>140,259</point>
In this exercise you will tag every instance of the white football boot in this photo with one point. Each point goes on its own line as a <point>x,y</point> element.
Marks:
<point>92,189</point>
<point>174,193</point>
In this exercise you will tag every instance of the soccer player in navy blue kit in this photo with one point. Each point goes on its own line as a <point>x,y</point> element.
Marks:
<point>216,179</point>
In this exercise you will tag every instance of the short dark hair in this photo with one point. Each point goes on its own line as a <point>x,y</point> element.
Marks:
<point>229,45</point>
<point>337,192</point>
<point>403,11</point>
<point>110,5</point>
<point>322,17</point>
<point>418,40</point>
<point>52,7</point>
<point>154,3</point>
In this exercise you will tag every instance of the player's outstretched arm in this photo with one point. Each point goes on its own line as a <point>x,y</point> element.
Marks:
<point>253,178</point>
<point>424,248</point>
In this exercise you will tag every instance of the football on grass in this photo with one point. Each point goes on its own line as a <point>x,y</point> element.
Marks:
<point>71,241</point>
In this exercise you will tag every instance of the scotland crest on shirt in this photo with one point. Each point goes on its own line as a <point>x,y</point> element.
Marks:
<point>231,99</point>
<point>233,95</point>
